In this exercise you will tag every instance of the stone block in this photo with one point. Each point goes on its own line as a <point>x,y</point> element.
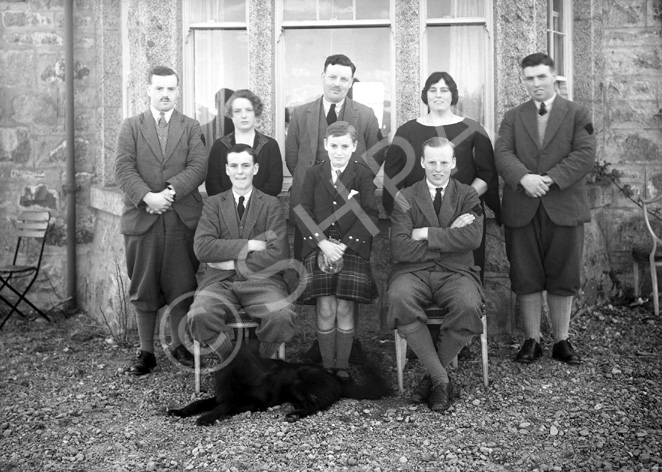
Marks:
<point>33,108</point>
<point>621,13</point>
<point>81,152</point>
<point>639,61</point>
<point>37,38</point>
<point>629,37</point>
<point>634,114</point>
<point>16,68</point>
<point>15,145</point>
<point>631,88</point>
<point>24,18</point>
<point>47,4</point>
<point>39,196</point>
<point>642,146</point>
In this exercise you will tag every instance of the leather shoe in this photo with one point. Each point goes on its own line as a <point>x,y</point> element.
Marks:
<point>422,391</point>
<point>343,376</point>
<point>144,364</point>
<point>441,396</point>
<point>183,356</point>
<point>356,355</point>
<point>530,351</point>
<point>564,352</point>
<point>313,355</point>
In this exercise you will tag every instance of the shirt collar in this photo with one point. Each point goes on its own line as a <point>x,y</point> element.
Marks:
<point>341,169</point>
<point>327,105</point>
<point>156,113</point>
<point>246,196</point>
<point>548,103</point>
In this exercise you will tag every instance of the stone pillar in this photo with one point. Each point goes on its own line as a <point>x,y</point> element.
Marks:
<point>261,53</point>
<point>155,38</point>
<point>407,59</point>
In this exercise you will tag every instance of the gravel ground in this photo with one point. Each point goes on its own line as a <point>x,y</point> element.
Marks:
<point>65,406</point>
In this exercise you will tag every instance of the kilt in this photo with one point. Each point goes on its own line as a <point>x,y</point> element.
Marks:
<point>353,282</point>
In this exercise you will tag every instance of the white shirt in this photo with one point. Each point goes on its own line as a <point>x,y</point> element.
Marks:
<point>433,190</point>
<point>156,113</point>
<point>327,106</point>
<point>334,171</point>
<point>246,197</point>
<point>548,103</point>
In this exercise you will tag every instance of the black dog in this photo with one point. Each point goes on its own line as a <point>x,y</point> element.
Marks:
<point>252,383</point>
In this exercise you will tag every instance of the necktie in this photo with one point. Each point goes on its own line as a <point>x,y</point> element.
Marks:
<point>337,178</point>
<point>240,207</point>
<point>543,117</point>
<point>437,201</point>
<point>331,117</point>
<point>543,109</point>
<point>162,131</point>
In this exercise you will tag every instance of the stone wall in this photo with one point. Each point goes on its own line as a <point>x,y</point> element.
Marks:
<point>32,128</point>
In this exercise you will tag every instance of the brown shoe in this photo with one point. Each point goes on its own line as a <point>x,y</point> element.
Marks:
<point>441,396</point>
<point>422,390</point>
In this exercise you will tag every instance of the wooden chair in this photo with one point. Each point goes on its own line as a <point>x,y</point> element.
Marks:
<point>652,259</point>
<point>435,317</point>
<point>31,227</point>
<point>242,327</point>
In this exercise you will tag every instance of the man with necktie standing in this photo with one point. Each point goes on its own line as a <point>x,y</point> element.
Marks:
<point>544,150</point>
<point>160,163</point>
<point>435,228</point>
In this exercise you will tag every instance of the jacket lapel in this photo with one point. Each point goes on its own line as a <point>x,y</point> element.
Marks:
<point>175,133</point>
<point>424,202</point>
<point>229,214</point>
<point>148,130</point>
<point>556,116</point>
<point>255,205</point>
<point>529,117</point>
<point>447,213</point>
<point>312,121</point>
<point>327,181</point>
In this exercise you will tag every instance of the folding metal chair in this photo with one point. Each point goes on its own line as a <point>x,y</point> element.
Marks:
<point>31,227</point>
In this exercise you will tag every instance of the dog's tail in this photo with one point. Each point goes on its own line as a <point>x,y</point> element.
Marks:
<point>373,385</point>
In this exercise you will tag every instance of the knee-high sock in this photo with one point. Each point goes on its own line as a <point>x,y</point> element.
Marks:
<point>449,347</point>
<point>560,308</point>
<point>343,347</point>
<point>146,322</point>
<point>530,306</point>
<point>327,341</point>
<point>421,343</point>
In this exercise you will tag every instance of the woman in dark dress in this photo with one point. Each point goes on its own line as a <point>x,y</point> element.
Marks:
<point>243,107</point>
<point>473,150</point>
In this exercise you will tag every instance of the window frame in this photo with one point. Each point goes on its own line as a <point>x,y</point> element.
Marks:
<point>566,34</point>
<point>488,22</point>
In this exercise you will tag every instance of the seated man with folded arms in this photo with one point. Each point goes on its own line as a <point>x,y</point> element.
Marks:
<point>435,228</point>
<point>242,237</point>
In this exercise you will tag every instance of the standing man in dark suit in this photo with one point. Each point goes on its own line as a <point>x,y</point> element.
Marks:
<point>304,146</point>
<point>435,228</point>
<point>242,236</point>
<point>545,148</point>
<point>160,164</point>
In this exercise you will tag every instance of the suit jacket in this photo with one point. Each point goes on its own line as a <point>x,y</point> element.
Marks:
<point>141,167</point>
<point>447,248</point>
<point>354,219</point>
<point>566,155</point>
<point>303,135</point>
<point>222,237</point>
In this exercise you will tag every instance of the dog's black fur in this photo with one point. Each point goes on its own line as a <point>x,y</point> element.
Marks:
<point>252,383</point>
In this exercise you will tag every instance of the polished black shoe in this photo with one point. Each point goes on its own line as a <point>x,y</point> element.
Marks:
<point>564,352</point>
<point>422,391</point>
<point>441,396</point>
<point>183,356</point>
<point>313,355</point>
<point>143,365</point>
<point>357,356</point>
<point>530,351</point>
<point>343,376</point>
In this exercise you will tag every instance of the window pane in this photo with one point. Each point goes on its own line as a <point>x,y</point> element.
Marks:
<point>337,10</point>
<point>559,59</point>
<point>456,8</point>
<point>307,10</point>
<point>306,50</point>
<point>217,10</point>
<point>221,62</point>
<point>460,51</point>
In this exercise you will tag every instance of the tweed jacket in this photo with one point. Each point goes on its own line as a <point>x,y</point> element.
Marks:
<point>220,236</point>
<point>447,248</point>
<point>567,154</point>
<point>324,206</point>
<point>303,136</point>
<point>141,167</point>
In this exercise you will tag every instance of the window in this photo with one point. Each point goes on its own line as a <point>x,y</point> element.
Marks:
<point>559,34</point>
<point>312,30</point>
<point>215,60</point>
<point>459,41</point>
